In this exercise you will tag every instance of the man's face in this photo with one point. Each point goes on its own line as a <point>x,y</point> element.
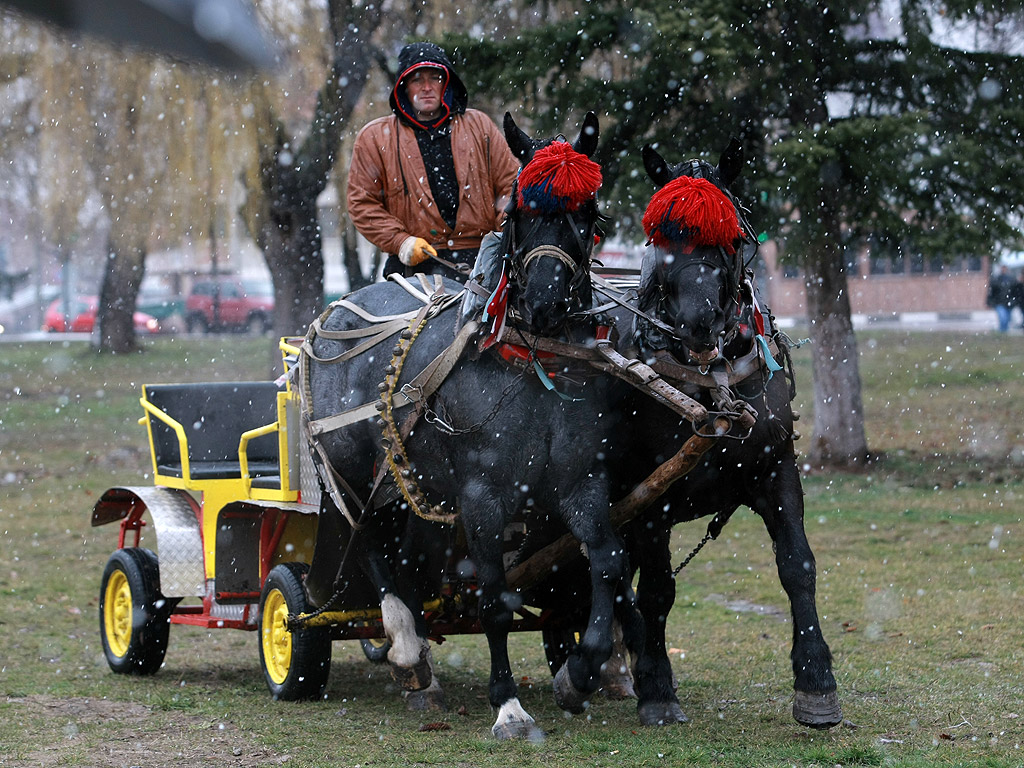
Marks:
<point>424,87</point>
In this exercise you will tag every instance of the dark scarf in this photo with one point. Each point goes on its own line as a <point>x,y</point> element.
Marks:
<point>436,148</point>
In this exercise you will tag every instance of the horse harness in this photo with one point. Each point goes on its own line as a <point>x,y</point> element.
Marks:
<point>518,348</point>
<point>407,325</point>
<point>599,358</point>
<point>718,379</point>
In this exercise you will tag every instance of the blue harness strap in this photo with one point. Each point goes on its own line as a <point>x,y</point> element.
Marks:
<point>769,361</point>
<point>549,385</point>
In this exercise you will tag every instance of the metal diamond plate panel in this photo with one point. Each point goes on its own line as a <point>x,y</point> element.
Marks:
<point>309,484</point>
<point>179,541</point>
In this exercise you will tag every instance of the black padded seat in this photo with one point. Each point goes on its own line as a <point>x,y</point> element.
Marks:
<point>214,417</point>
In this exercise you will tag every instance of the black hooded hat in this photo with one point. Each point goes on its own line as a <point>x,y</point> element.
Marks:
<point>414,56</point>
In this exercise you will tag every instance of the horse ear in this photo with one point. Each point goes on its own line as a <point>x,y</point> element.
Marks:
<point>586,144</point>
<point>520,144</point>
<point>731,162</point>
<point>656,166</point>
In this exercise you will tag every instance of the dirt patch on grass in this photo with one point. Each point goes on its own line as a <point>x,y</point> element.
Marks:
<point>745,606</point>
<point>117,734</point>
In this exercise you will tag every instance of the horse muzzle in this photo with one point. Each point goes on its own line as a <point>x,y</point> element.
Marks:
<point>546,319</point>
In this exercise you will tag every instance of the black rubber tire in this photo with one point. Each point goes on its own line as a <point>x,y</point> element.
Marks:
<point>196,323</point>
<point>134,616</point>
<point>295,664</point>
<point>258,325</point>
<point>375,649</point>
<point>558,645</point>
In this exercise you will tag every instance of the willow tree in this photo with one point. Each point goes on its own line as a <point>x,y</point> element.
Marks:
<point>56,116</point>
<point>128,168</point>
<point>131,148</point>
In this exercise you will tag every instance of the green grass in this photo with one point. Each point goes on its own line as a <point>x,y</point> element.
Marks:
<point>920,593</point>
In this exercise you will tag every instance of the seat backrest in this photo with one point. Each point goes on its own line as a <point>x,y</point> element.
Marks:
<point>214,416</point>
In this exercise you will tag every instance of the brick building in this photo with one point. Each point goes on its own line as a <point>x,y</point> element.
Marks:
<point>883,287</point>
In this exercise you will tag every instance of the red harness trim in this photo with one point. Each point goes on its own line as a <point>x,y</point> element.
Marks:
<point>518,354</point>
<point>515,353</point>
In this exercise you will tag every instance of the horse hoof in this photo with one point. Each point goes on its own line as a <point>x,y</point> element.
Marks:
<point>661,713</point>
<point>523,730</point>
<point>617,684</point>
<point>414,678</point>
<point>817,710</point>
<point>514,722</point>
<point>567,696</point>
<point>430,699</point>
<point>619,690</point>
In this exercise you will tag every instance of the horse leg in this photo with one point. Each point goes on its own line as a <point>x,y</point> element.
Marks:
<point>657,701</point>
<point>616,678</point>
<point>580,676</point>
<point>816,703</point>
<point>409,655</point>
<point>416,576</point>
<point>484,533</point>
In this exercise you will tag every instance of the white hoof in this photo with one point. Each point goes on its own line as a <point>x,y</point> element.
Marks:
<point>514,723</point>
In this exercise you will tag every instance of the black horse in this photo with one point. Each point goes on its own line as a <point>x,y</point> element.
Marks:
<point>492,444</point>
<point>700,326</point>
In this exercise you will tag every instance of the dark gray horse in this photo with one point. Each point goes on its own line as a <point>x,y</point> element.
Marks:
<point>713,331</point>
<point>493,443</point>
<point>697,321</point>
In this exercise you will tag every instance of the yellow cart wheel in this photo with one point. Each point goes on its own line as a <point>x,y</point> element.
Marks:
<point>295,664</point>
<point>133,614</point>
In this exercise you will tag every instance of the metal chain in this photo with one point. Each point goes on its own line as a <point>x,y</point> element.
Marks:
<point>439,422</point>
<point>693,554</point>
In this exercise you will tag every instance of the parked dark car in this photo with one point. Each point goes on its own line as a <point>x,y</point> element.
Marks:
<point>228,303</point>
<point>82,317</point>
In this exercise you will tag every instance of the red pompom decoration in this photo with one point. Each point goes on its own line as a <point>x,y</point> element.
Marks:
<point>558,178</point>
<point>690,212</point>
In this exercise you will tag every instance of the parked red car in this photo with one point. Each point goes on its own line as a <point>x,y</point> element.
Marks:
<point>82,314</point>
<point>227,303</point>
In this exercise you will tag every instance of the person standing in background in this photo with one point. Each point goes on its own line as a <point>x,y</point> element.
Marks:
<point>1001,292</point>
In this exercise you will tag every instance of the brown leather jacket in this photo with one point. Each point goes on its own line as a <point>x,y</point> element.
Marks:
<point>389,195</point>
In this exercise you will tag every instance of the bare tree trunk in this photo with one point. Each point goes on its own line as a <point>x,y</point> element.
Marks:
<point>294,257</point>
<point>839,438</point>
<point>118,295</point>
<point>287,228</point>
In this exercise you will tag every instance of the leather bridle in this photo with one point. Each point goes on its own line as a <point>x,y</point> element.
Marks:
<point>520,260</point>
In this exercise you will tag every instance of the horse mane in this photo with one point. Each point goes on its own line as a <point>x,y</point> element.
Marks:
<point>486,272</point>
<point>644,335</point>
